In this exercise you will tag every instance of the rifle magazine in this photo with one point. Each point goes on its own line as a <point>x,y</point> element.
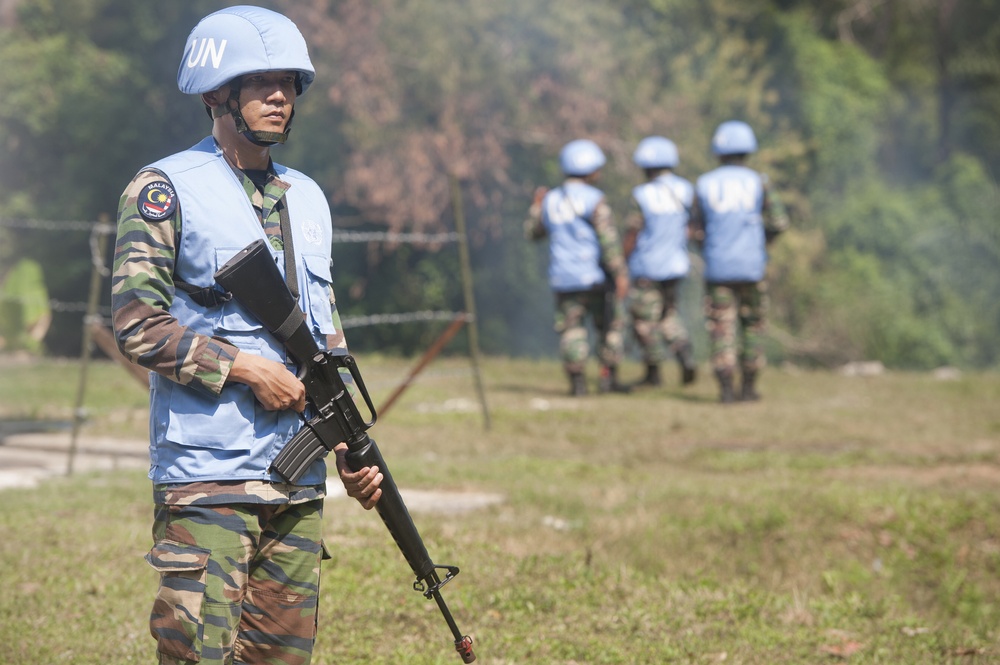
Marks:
<point>301,451</point>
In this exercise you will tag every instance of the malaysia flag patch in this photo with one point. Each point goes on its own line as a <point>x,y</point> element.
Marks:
<point>157,201</point>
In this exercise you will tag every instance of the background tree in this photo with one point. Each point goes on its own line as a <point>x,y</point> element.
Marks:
<point>876,121</point>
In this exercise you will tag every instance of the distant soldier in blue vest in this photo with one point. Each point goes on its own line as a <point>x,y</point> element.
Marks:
<point>656,236</point>
<point>237,548</point>
<point>587,268</point>
<point>735,217</point>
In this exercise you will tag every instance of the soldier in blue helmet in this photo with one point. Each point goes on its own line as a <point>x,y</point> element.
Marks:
<point>656,239</point>
<point>737,214</point>
<point>587,268</point>
<point>237,548</point>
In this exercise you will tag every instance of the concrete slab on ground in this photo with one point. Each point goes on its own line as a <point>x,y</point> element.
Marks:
<point>26,460</point>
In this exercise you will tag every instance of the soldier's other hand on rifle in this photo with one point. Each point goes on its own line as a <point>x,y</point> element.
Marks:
<point>273,385</point>
<point>363,485</point>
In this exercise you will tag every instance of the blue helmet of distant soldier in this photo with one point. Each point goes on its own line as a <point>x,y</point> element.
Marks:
<point>734,137</point>
<point>581,158</point>
<point>656,152</point>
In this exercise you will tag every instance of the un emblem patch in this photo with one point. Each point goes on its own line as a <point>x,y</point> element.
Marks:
<point>312,232</point>
<point>157,201</point>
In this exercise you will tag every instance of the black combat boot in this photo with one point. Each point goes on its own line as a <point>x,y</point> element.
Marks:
<point>688,367</point>
<point>726,394</point>
<point>652,377</point>
<point>607,382</point>
<point>577,384</point>
<point>747,391</point>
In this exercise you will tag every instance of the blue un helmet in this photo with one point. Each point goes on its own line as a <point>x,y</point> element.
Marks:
<point>656,152</point>
<point>734,137</point>
<point>581,158</point>
<point>232,42</point>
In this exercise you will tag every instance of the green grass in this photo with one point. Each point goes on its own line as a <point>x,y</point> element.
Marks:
<point>838,516</point>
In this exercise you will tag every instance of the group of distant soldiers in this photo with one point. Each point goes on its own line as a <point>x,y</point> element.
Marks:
<point>730,213</point>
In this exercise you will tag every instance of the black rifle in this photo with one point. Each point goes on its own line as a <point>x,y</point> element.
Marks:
<point>255,282</point>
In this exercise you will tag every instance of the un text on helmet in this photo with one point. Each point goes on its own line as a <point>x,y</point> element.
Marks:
<point>198,54</point>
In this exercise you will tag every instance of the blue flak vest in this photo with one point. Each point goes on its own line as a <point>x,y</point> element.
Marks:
<point>661,246</point>
<point>731,198</point>
<point>198,436</point>
<point>574,251</point>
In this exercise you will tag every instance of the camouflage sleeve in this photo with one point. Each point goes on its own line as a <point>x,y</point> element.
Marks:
<point>339,341</point>
<point>634,223</point>
<point>142,289</point>
<point>336,340</point>
<point>773,211</point>
<point>634,220</point>
<point>534,229</point>
<point>612,255</point>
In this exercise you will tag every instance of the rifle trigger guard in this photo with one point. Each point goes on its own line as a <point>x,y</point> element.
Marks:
<point>429,591</point>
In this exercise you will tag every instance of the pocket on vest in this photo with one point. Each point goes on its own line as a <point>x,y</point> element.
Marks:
<point>318,292</point>
<point>204,421</point>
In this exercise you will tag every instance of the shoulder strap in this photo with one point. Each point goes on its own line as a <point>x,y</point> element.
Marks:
<point>291,274</point>
<point>673,194</point>
<point>587,218</point>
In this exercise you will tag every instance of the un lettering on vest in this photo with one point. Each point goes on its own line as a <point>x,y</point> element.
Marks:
<point>661,199</point>
<point>733,195</point>
<point>560,210</point>
<point>201,50</point>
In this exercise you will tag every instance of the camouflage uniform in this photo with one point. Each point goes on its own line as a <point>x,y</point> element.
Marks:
<point>239,582</point>
<point>656,322</point>
<point>735,315</point>
<point>607,313</point>
<point>655,319</point>
<point>239,561</point>
<point>736,312</point>
<point>573,307</point>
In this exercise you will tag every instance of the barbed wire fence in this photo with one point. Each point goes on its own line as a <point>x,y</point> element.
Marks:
<point>96,317</point>
<point>338,237</point>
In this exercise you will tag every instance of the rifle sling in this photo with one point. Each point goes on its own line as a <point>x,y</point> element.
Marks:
<point>291,274</point>
<point>206,296</point>
<point>291,323</point>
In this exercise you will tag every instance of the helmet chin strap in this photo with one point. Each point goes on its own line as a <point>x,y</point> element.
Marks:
<point>257,137</point>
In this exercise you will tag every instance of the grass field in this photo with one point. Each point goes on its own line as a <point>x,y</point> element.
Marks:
<point>842,519</point>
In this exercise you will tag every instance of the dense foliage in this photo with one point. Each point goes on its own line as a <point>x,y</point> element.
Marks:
<point>877,122</point>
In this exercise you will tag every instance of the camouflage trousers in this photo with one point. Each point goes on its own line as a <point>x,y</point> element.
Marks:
<point>239,583</point>
<point>655,320</point>
<point>572,310</point>
<point>735,318</point>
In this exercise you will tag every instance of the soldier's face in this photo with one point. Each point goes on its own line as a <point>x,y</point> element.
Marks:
<point>266,100</point>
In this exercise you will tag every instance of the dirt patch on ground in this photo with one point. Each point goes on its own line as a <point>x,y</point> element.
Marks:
<point>964,475</point>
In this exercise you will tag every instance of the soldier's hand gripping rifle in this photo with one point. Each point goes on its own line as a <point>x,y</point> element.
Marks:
<point>255,282</point>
